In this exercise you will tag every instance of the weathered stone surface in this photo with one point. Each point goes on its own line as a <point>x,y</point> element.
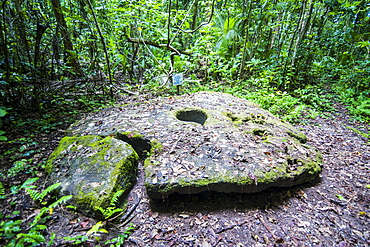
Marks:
<point>208,141</point>
<point>92,169</point>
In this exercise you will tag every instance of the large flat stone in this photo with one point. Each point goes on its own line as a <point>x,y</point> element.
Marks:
<point>208,141</point>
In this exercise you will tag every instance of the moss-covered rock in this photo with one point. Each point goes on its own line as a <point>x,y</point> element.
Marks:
<point>92,169</point>
<point>208,141</point>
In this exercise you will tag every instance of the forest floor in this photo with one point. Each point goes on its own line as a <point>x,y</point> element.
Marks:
<point>332,211</point>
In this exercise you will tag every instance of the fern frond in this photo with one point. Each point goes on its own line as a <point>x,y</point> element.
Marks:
<point>28,182</point>
<point>32,238</point>
<point>39,216</point>
<point>39,196</point>
<point>34,194</point>
<point>61,200</point>
<point>116,197</point>
<point>48,190</point>
<point>100,209</point>
<point>2,189</point>
<point>111,211</point>
<point>44,210</point>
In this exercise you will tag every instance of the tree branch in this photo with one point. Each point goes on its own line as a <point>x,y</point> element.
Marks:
<point>152,43</point>
<point>201,24</point>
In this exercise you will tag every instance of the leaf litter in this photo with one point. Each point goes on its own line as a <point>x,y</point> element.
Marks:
<point>312,214</point>
<point>332,211</point>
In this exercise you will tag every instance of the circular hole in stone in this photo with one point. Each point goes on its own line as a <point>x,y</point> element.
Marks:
<point>192,115</point>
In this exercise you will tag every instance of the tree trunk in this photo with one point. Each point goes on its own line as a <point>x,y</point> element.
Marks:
<point>5,98</point>
<point>39,33</point>
<point>303,27</point>
<point>22,33</point>
<point>195,15</point>
<point>71,58</point>
<point>104,48</point>
<point>246,38</point>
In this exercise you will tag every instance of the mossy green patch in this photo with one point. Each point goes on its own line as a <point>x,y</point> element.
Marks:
<point>68,144</point>
<point>93,168</point>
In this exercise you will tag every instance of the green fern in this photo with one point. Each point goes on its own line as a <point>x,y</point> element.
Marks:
<point>39,196</point>
<point>116,197</point>
<point>49,209</point>
<point>28,183</point>
<point>61,200</point>
<point>112,209</point>
<point>2,191</point>
<point>109,211</point>
<point>32,238</point>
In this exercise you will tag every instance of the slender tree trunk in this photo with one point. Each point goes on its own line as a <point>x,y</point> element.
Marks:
<point>195,15</point>
<point>276,32</point>
<point>303,27</point>
<point>39,33</point>
<point>22,33</point>
<point>169,24</point>
<point>104,48</point>
<point>5,98</point>
<point>71,58</point>
<point>283,32</point>
<point>296,31</point>
<point>246,39</point>
<point>258,33</point>
<point>295,34</point>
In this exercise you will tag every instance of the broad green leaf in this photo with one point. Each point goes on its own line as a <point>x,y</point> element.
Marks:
<point>2,113</point>
<point>340,197</point>
<point>103,230</point>
<point>95,228</point>
<point>28,182</point>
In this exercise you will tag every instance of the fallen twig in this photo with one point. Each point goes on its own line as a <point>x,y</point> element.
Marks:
<point>126,218</point>
<point>231,227</point>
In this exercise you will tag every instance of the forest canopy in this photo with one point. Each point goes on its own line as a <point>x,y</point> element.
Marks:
<point>288,48</point>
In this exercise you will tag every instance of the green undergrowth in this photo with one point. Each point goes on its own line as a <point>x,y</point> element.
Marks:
<point>295,106</point>
<point>357,103</point>
<point>24,131</point>
<point>25,136</point>
<point>351,83</point>
<point>32,231</point>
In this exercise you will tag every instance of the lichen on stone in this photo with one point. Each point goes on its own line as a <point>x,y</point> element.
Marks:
<point>208,141</point>
<point>92,169</point>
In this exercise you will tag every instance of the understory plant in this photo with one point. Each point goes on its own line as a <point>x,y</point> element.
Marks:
<point>112,209</point>
<point>109,214</point>
<point>17,233</point>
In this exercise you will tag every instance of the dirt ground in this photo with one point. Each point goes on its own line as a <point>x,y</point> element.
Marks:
<point>332,211</point>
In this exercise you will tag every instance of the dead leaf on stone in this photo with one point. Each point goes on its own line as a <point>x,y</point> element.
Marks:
<point>206,244</point>
<point>304,223</point>
<point>325,231</point>
<point>84,223</point>
<point>184,216</point>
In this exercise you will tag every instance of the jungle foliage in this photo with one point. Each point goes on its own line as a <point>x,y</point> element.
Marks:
<point>282,49</point>
<point>59,57</point>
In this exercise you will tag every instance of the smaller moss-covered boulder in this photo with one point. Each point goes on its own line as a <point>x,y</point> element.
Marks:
<point>92,169</point>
